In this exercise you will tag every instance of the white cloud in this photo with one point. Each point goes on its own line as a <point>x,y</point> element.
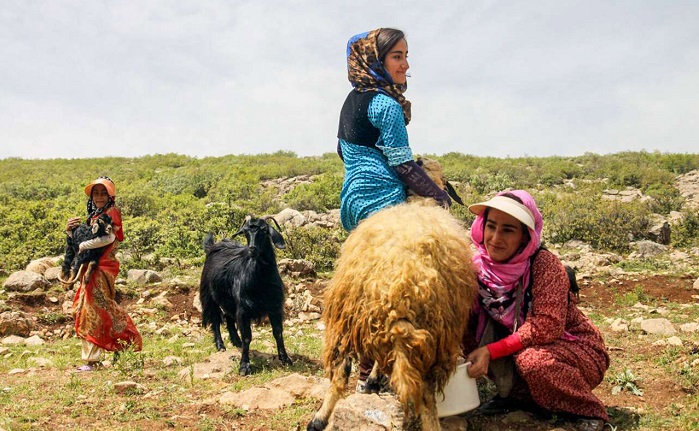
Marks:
<point>218,77</point>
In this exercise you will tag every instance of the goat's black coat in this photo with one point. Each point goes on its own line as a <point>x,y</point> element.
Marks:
<point>242,284</point>
<point>72,260</point>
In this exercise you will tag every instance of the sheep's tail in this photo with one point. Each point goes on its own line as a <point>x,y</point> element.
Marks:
<point>413,355</point>
<point>208,242</point>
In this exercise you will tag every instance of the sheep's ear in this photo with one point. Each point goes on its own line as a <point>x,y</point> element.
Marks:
<point>453,195</point>
<point>419,161</point>
<point>277,238</point>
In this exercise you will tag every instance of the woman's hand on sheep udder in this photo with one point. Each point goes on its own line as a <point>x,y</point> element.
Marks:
<point>479,358</point>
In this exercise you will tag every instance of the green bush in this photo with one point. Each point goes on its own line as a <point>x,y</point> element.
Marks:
<point>318,245</point>
<point>604,224</point>
<point>321,195</point>
<point>686,232</point>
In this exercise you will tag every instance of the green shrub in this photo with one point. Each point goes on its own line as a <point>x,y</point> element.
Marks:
<point>320,195</point>
<point>604,224</point>
<point>686,232</point>
<point>318,245</point>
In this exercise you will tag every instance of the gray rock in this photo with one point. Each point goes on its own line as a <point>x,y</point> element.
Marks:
<point>15,323</point>
<point>143,276</point>
<point>25,281</point>
<point>660,326</point>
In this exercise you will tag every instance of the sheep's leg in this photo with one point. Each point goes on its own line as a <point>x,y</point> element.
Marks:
<point>339,376</point>
<point>246,332</point>
<point>428,413</point>
<point>233,331</point>
<point>376,380</point>
<point>275,319</point>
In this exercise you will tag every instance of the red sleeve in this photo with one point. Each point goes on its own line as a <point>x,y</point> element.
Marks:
<point>505,347</point>
<point>115,214</point>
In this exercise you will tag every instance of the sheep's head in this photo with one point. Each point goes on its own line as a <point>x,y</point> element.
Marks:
<point>258,230</point>
<point>434,170</point>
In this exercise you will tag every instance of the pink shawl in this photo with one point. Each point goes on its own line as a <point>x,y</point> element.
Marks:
<point>498,281</point>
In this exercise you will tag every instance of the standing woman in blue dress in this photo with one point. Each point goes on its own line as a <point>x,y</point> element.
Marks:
<point>372,136</point>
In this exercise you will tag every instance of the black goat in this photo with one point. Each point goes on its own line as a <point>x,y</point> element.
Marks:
<point>244,283</point>
<point>73,260</point>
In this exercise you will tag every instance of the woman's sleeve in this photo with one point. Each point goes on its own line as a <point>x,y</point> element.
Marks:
<point>98,242</point>
<point>387,115</point>
<point>546,318</point>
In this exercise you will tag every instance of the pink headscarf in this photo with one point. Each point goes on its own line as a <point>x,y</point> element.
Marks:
<point>498,281</point>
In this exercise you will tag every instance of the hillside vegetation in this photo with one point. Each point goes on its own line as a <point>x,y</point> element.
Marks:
<point>169,202</point>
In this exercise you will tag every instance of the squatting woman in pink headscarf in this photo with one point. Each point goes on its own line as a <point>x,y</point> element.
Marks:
<point>526,332</point>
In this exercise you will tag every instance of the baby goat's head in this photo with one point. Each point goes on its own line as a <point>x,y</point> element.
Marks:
<point>257,230</point>
<point>102,225</point>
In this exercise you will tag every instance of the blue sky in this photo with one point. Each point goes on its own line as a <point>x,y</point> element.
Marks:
<point>209,78</point>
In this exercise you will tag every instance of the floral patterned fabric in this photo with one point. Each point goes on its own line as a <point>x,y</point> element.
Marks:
<point>98,318</point>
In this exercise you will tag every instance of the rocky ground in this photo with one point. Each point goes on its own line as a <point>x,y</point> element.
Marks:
<point>605,297</point>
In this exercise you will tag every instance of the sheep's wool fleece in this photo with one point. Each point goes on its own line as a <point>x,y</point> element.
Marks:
<point>410,263</point>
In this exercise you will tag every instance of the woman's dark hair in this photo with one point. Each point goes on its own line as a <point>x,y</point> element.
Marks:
<point>386,39</point>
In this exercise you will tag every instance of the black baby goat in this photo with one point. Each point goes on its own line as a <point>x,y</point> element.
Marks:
<point>244,283</point>
<point>73,260</point>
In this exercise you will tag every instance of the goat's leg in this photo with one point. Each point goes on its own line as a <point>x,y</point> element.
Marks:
<point>275,319</point>
<point>339,376</point>
<point>246,332</point>
<point>212,313</point>
<point>233,331</point>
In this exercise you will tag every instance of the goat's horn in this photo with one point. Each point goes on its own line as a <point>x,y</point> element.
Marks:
<point>265,218</point>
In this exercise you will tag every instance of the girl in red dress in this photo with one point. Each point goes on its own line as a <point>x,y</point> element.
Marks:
<point>99,321</point>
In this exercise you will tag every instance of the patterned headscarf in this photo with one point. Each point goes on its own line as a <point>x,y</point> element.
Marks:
<point>367,73</point>
<point>498,281</point>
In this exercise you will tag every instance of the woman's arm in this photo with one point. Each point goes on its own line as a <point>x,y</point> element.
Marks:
<point>98,242</point>
<point>387,115</point>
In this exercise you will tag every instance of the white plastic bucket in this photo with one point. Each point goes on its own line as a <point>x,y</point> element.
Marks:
<point>460,394</point>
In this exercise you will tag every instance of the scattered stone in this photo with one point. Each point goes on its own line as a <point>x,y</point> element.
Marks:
<point>674,341</point>
<point>15,323</point>
<point>518,416</point>
<point>169,361</point>
<point>34,340</point>
<point>620,325</point>
<point>659,326</point>
<point>258,399</point>
<point>12,339</point>
<point>129,387</point>
<point>689,327</point>
<point>25,281</point>
<point>40,266</point>
<point>143,276</point>
<point>41,362</point>
<point>368,412</point>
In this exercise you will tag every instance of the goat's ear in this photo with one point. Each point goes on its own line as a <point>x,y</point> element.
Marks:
<point>242,227</point>
<point>277,238</point>
<point>419,161</point>
<point>453,195</point>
